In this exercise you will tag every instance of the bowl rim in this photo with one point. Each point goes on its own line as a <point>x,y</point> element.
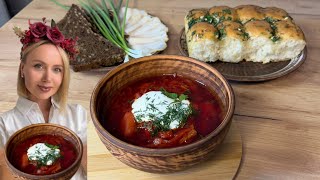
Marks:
<point>49,176</point>
<point>162,151</point>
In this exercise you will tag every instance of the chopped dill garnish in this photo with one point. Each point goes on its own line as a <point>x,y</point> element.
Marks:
<point>168,111</point>
<point>45,158</point>
<point>176,111</point>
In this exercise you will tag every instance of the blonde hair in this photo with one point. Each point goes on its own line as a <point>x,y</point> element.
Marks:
<point>62,93</point>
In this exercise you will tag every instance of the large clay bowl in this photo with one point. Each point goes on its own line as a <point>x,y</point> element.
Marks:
<point>43,129</point>
<point>169,159</point>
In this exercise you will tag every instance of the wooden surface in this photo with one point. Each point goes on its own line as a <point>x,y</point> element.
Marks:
<point>279,120</point>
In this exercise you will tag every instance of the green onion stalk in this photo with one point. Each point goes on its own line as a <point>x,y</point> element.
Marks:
<point>111,28</point>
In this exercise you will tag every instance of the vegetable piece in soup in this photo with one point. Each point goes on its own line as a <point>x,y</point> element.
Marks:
<point>162,112</point>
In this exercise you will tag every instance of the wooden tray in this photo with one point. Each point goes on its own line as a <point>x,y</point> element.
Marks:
<point>222,164</point>
<point>250,71</point>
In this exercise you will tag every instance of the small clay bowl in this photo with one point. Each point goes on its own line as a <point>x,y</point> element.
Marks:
<point>168,159</point>
<point>44,129</point>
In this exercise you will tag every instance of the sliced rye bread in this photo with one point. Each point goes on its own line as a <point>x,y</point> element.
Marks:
<point>95,50</point>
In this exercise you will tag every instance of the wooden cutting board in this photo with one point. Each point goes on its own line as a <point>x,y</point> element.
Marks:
<point>223,164</point>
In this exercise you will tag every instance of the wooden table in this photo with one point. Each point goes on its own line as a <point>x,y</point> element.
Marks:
<point>279,120</point>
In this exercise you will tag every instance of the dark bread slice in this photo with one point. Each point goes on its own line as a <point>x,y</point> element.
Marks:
<point>95,50</point>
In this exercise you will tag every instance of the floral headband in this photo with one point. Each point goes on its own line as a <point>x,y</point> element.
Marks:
<point>40,31</point>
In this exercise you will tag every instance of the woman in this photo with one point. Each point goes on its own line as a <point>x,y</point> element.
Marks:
<point>43,82</point>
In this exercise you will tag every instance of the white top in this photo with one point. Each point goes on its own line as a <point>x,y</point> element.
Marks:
<point>27,112</point>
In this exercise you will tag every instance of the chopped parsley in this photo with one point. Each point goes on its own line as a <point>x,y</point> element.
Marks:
<point>51,146</point>
<point>193,33</point>
<point>245,35</point>
<point>271,21</point>
<point>238,21</point>
<point>252,19</point>
<point>274,38</point>
<point>214,19</point>
<point>174,96</point>
<point>216,34</point>
<point>209,19</point>
<point>226,11</point>
<point>222,33</point>
<point>192,22</point>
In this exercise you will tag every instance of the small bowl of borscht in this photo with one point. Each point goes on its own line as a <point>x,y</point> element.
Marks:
<point>162,113</point>
<point>44,151</point>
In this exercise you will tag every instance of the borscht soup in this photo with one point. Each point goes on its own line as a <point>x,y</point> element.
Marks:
<point>43,155</point>
<point>162,112</point>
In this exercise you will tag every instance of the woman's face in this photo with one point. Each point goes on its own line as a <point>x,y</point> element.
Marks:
<point>42,72</point>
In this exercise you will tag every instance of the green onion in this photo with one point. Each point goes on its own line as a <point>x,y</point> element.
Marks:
<point>61,5</point>
<point>111,29</point>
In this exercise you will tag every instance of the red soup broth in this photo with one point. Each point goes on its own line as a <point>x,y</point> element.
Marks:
<point>67,151</point>
<point>206,117</point>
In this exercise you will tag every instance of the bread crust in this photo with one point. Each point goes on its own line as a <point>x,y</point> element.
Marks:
<point>276,13</point>
<point>232,29</point>
<point>201,31</point>
<point>258,28</point>
<point>226,12</point>
<point>203,42</point>
<point>287,30</point>
<point>249,12</point>
<point>193,15</point>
